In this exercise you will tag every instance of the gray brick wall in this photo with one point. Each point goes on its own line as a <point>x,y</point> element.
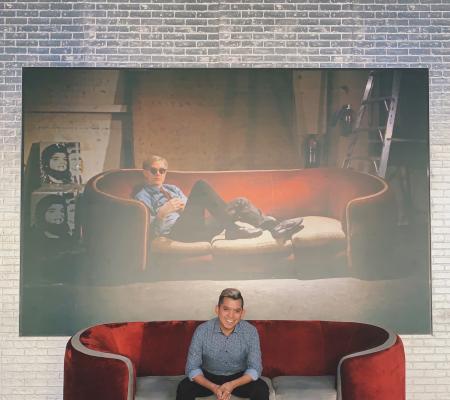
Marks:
<point>290,33</point>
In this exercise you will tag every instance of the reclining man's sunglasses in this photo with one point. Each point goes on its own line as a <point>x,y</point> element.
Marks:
<point>154,170</point>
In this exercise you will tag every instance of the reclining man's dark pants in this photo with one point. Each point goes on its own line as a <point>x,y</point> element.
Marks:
<point>192,225</point>
<point>255,390</point>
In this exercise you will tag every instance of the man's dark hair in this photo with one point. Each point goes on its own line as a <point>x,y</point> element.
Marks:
<point>231,293</point>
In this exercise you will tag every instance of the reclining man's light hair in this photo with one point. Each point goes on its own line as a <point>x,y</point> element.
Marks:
<point>147,163</point>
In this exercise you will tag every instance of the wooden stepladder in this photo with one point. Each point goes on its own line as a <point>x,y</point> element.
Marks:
<point>384,132</point>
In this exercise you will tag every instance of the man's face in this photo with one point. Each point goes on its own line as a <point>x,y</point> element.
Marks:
<point>55,214</point>
<point>58,162</point>
<point>230,313</point>
<point>156,174</point>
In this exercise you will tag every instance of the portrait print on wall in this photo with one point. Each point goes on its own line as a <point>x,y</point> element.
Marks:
<point>51,217</point>
<point>52,238</point>
<point>53,214</point>
<point>61,163</point>
<point>317,209</point>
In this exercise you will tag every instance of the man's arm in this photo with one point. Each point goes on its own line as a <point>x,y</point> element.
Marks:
<point>254,362</point>
<point>175,204</point>
<point>158,224</point>
<point>194,358</point>
<point>144,197</point>
<point>194,363</point>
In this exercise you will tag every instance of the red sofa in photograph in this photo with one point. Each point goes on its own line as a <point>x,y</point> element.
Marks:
<point>348,223</point>
<point>301,360</point>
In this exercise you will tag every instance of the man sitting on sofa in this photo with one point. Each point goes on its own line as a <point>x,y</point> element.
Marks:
<point>224,356</point>
<point>174,215</point>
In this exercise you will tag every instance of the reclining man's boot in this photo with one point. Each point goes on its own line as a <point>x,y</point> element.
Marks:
<point>241,209</point>
<point>242,232</point>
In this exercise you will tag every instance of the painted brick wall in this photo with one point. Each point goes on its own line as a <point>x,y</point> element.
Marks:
<point>290,33</point>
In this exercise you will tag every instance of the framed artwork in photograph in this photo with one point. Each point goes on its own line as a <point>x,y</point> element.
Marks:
<point>147,191</point>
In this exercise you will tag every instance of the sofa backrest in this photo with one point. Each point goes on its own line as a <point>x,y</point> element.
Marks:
<point>312,347</point>
<point>122,183</point>
<point>288,347</point>
<point>156,348</point>
<point>281,193</point>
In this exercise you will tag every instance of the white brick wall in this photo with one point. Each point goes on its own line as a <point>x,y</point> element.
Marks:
<point>290,33</point>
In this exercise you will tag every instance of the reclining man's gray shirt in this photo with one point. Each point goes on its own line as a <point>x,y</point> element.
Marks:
<point>219,354</point>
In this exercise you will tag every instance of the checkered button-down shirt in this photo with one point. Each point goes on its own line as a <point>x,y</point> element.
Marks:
<point>219,354</point>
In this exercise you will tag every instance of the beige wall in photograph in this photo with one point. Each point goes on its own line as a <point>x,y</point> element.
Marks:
<point>215,119</point>
<point>76,105</point>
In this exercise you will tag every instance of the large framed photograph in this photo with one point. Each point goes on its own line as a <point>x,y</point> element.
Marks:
<point>145,192</point>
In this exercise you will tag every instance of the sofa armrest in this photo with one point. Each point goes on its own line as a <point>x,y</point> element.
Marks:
<point>370,227</point>
<point>377,373</point>
<point>93,375</point>
<point>365,211</point>
<point>116,236</point>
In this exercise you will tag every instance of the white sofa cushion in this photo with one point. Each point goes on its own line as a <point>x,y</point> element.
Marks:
<point>305,387</point>
<point>164,245</point>
<point>165,388</point>
<point>319,231</point>
<point>157,387</point>
<point>264,244</point>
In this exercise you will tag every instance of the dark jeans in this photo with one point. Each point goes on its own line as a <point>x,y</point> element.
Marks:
<point>192,225</point>
<point>255,390</point>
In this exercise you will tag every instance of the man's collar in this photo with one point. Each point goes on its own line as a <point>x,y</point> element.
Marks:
<point>153,188</point>
<point>218,330</point>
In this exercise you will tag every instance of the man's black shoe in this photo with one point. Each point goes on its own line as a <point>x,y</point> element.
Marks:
<point>242,232</point>
<point>285,229</point>
<point>268,223</point>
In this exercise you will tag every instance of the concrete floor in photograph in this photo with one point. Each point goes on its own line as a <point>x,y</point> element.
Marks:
<point>63,309</point>
<point>401,303</point>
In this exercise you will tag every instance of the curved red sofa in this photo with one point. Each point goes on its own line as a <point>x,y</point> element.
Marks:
<point>358,207</point>
<point>107,361</point>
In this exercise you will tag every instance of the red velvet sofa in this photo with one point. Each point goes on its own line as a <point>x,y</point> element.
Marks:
<point>301,359</point>
<point>348,223</point>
